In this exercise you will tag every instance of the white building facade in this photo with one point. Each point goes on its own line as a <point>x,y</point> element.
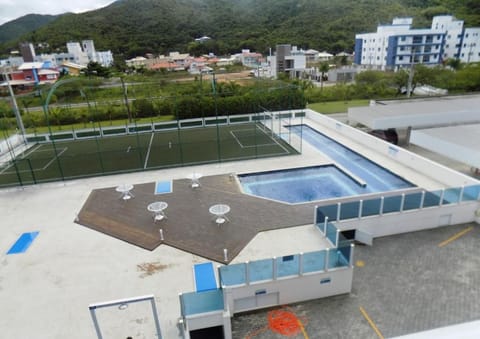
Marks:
<point>398,45</point>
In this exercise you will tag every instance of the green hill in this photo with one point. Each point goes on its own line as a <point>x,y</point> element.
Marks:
<point>14,29</point>
<point>136,27</point>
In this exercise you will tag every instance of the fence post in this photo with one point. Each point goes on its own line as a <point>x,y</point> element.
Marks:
<point>339,208</point>
<point>402,202</point>
<point>325,226</point>
<point>300,263</point>
<point>360,208</point>
<point>274,268</point>
<point>382,199</point>
<point>441,197</point>
<point>352,247</point>
<point>327,258</point>
<point>337,236</point>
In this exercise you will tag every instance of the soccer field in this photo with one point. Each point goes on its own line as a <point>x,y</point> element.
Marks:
<point>141,151</point>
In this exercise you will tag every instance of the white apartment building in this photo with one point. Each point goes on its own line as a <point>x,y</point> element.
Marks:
<point>85,52</point>
<point>398,45</point>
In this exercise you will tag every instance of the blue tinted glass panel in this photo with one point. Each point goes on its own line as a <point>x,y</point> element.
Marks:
<point>314,261</point>
<point>412,201</point>
<point>345,250</point>
<point>371,207</point>
<point>471,193</point>
<point>233,274</point>
<point>451,196</point>
<point>288,265</point>
<point>336,259</point>
<point>329,211</point>
<point>261,270</point>
<point>349,210</point>
<point>332,233</point>
<point>432,198</point>
<point>392,204</point>
<point>320,226</point>
<point>201,302</point>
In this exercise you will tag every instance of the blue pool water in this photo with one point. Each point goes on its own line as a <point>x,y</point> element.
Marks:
<point>323,182</point>
<point>162,187</point>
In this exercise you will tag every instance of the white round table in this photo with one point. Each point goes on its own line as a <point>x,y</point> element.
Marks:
<point>194,177</point>
<point>220,211</point>
<point>158,210</point>
<point>125,190</point>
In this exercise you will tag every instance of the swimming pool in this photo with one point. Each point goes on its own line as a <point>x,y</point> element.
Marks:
<point>323,182</point>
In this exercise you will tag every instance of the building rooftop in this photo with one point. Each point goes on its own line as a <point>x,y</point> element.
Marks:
<point>406,283</point>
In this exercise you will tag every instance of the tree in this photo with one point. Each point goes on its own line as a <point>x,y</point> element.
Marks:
<point>324,67</point>
<point>95,69</point>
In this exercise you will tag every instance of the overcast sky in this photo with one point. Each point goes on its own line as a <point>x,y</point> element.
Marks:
<point>12,9</point>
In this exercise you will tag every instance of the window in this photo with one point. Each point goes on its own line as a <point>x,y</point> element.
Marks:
<point>403,38</point>
<point>402,48</point>
<point>400,57</point>
<point>379,49</point>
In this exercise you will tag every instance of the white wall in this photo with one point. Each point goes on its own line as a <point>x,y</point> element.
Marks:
<point>443,175</point>
<point>294,289</point>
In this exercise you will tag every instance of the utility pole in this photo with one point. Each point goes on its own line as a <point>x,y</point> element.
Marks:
<point>125,97</point>
<point>410,75</point>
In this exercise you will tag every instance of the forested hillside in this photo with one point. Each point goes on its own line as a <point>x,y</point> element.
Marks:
<point>16,28</point>
<point>136,27</point>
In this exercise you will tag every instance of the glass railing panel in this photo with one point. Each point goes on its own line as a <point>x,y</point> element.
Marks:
<point>336,259</point>
<point>412,201</point>
<point>201,302</point>
<point>288,265</point>
<point>432,198</point>
<point>329,211</point>
<point>392,204</point>
<point>471,193</point>
<point>233,274</point>
<point>349,210</point>
<point>314,261</point>
<point>260,270</point>
<point>451,196</point>
<point>371,207</point>
<point>332,233</point>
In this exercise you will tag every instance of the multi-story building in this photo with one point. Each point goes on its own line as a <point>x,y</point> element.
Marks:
<point>28,51</point>
<point>288,59</point>
<point>398,45</point>
<point>85,52</point>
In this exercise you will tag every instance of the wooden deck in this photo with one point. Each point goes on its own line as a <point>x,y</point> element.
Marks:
<point>189,225</point>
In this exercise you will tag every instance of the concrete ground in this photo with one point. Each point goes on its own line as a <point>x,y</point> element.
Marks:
<point>406,283</point>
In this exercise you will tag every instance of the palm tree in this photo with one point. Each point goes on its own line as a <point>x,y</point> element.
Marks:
<point>324,67</point>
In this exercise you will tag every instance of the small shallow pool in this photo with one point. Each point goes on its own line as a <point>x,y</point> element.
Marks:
<point>355,175</point>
